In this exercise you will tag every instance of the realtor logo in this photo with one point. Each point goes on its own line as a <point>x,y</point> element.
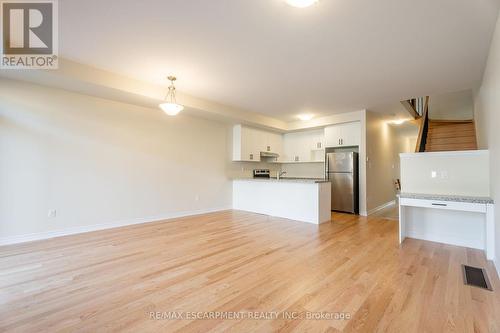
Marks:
<point>29,34</point>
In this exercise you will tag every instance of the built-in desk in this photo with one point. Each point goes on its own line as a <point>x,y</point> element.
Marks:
<point>457,220</point>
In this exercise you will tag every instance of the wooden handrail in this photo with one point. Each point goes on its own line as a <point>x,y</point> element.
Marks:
<point>424,125</point>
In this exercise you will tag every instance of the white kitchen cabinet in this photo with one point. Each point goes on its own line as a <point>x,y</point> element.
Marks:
<point>303,146</point>
<point>351,134</point>
<point>246,146</point>
<point>292,145</point>
<point>343,135</point>
<point>332,136</point>
<point>317,141</point>
<point>249,142</point>
<point>273,143</point>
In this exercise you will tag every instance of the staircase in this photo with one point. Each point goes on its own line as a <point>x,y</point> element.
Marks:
<point>440,135</point>
<point>450,135</point>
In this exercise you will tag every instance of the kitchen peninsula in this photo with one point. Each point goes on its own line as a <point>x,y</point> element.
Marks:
<point>306,200</point>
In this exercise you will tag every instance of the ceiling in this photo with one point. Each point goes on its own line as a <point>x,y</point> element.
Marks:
<point>267,57</point>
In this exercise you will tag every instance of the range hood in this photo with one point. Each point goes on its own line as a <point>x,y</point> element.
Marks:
<point>269,154</point>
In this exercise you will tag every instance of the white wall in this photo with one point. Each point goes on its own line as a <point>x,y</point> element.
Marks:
<point>487,117</point>
<point>457,105</point>
<point>380,161</point>
<point>305,170</point>
<point>405,141</point>
<point>384,143</point>
<point>97,162</point>
<point>449,173</point>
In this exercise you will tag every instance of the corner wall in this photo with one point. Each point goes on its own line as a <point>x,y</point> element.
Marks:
<point>487,118</point>
<point>102,163</point>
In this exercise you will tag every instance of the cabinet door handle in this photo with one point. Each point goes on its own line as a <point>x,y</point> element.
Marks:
<point>439,204</point>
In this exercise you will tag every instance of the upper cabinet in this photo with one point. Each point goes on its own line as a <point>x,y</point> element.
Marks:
<point>296,147</point>
<point>273,142</point>
<point>317,141</point>
<point>249,142</point>
<point>303,147</point>
<point>343,135</point>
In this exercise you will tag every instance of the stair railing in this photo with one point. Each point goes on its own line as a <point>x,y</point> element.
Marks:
<point>419,105</point>
<point>424,126</point>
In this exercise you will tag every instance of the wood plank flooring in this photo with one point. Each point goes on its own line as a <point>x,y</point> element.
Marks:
<point>242,263</point>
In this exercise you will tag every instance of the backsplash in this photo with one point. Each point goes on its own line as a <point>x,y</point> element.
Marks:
<point>304,170</point>
<point>245,169</point>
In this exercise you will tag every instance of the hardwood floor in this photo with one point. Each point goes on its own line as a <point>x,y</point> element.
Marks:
<point>113,280</point>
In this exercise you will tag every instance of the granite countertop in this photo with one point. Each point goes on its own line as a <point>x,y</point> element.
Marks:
<point>447,197</point>
<point>287,180</point>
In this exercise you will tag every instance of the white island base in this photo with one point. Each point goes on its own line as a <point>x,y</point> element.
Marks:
<point>301,200</point>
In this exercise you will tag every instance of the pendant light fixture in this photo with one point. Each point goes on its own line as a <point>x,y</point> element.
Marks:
<point>170,106</point>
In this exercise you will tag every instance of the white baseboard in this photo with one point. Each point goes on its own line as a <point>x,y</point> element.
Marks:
<point>496,263</point>
<point>379,208</point>
<point>95,227</point>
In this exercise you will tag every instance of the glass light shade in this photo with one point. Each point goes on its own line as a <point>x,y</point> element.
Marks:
<point>301,3</point>
<point>172,109</point>
<point>305,117</point>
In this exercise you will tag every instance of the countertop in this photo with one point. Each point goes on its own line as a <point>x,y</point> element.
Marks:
<point>287,180</point>
<point>447,197</point>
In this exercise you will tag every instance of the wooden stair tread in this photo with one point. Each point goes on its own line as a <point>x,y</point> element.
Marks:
<point>448,136</point>
<point>450,122</point>
<point>434,145</point>
<point>449,149</point>
<point>464,139</point>
<point>442,127</point>
<point>451,136</point>
<point>453,131</point>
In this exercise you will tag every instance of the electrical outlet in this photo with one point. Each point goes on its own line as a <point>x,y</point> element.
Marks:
<point>52,213</point>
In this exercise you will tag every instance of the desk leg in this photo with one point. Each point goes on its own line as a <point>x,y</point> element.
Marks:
<point>490,232</point>
<point>402,226</point>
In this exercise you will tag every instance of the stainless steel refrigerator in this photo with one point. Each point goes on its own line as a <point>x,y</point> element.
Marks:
<point>342,171</point>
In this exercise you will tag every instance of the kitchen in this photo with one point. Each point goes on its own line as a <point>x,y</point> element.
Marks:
<point>314,171</point>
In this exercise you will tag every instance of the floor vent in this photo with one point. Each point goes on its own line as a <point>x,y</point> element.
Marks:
<point>476,277</point>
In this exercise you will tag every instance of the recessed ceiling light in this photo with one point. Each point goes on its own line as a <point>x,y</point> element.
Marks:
<point>305,117</point>
<point>301,3</point>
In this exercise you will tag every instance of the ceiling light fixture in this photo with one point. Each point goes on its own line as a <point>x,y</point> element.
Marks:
<point>301,3</point>
<point>305,117</point>
<point>398,122</point>
<point>170,106</point>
